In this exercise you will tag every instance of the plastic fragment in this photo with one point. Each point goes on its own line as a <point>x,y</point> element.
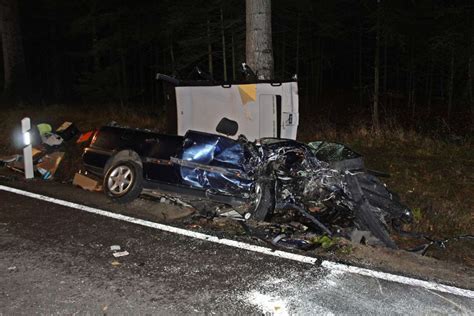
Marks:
<point>121,254</point>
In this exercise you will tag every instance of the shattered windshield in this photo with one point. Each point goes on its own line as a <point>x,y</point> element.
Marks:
<point>330,152</point>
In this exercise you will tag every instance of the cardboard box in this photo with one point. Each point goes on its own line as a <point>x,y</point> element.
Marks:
<point>86,182</point>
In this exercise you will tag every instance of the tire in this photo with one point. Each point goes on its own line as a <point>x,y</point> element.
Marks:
<point>367,218</point>
<point>366,214</point>
<point>264,204</point>
<point>123,182</point>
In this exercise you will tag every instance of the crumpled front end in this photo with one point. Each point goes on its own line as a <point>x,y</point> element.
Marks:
<point>338,192</point>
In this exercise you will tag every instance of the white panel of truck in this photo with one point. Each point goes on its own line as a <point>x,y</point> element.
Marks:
<point>261,110</point>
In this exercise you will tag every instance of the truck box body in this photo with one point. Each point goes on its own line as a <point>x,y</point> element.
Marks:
<point>262,109</point>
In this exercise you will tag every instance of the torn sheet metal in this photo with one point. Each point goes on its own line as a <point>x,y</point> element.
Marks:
<point>331,179</point>
<point>325,183</point>
<point>205,156</point>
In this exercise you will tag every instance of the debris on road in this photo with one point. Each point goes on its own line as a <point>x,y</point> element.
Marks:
<point>120,254</point>
<point>115,248</point>
<point>86,182</point>
<point>117,253</point>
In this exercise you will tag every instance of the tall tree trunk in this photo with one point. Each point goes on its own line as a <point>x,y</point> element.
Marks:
<point>152,74</point>
<point>56,70</point>
<point>123,68</point>
<point>470,88</point>
<point>234,75</point>
<point>319,70</point>
<point>385,71</point>
<point>410,74</point>
<point>95,38</point>
<point>375,107</point>
<point>173,63</point>
<point>209,49</point>
<point>313,74</point>
<point>259,51</point>
<point>470,71</point>
<point>16,86</point>
<point>451,84</point>
<point>224,58</point>
<point>429,87</point>
<point>141,76</point>
<point>411,82</point>
<point>283,56</point>
<point>442,87</point>
<point>297,60</point>
<point>413,95</point>
<point>360,64</point>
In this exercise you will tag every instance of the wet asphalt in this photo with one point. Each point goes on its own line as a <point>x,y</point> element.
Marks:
<point>54,259</point>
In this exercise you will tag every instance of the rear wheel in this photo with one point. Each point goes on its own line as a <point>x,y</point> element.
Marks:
<point>123,181</point>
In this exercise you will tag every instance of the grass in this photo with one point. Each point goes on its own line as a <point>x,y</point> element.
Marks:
<point>433,176</point>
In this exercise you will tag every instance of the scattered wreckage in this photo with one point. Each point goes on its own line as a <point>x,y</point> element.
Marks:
<point>48,151</point>
<point>289,194</point>
<point>325,184</point>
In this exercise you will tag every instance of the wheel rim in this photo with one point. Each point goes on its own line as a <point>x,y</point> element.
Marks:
<point>258,196</point>
<point>120,180</point>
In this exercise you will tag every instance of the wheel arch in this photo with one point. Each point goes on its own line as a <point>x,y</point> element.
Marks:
<point>123,155</point>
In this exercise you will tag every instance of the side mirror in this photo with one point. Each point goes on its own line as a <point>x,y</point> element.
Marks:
<point>227,127</point>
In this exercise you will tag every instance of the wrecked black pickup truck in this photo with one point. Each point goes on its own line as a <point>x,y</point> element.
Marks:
<point>326,183</point>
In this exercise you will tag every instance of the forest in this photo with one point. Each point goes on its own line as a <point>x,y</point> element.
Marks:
<point>412,61</point>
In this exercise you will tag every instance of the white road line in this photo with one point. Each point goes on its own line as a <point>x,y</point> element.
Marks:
<point>241,245</point>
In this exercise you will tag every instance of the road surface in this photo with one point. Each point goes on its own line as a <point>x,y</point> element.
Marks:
<point>56,259</point>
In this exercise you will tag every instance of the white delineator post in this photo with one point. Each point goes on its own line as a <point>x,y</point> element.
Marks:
<point>28,149</point>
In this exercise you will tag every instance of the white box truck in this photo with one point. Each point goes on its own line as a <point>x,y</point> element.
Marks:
<point>262,108</point>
